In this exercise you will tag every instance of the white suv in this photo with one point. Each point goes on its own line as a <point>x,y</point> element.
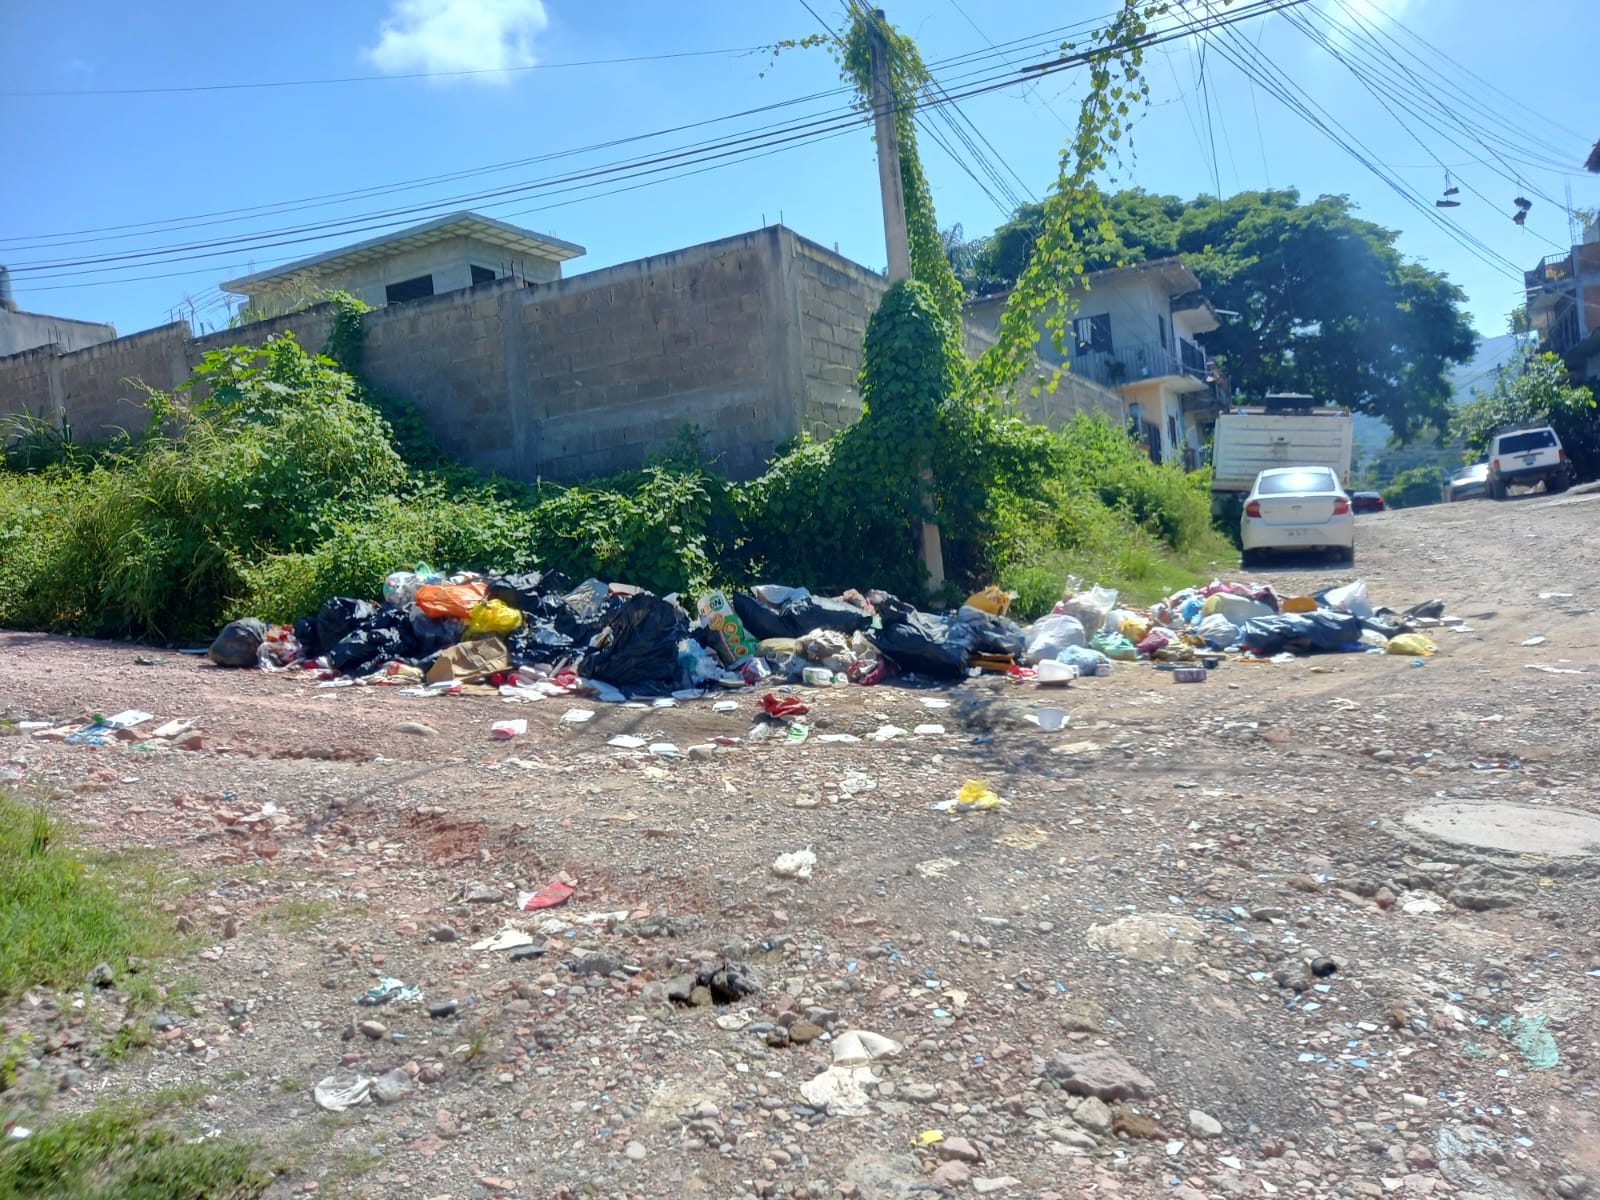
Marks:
<point>1526,456</point>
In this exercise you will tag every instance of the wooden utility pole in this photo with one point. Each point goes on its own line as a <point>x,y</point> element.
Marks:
<point>898,244</point>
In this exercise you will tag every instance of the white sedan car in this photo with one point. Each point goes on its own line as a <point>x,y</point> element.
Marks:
<point>1297,508</point>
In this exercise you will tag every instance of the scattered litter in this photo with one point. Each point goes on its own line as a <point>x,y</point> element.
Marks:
<point>506,730</point>
<point>775,704</point>
<point>665,750</point>
<point>725,706</point>
<point>886,733</point>
<point>508,938</point>
<point>1552,670</point>
<point>975,796</point>
<point>126,719</point>
<point>174,727</point>
<point>842,1089</point>
<point>1078,749</point>
<point>336,1095</point>
<point>929,1137</point>
<point>1555,595</point>
<point>1533,1039</point>
<point>928,730</point>
<point>1504,764</point>
<point>936,868</point>
<point>799,731</point>
<point>1049,719</point>
<point>795,865</point>
<point>577,716</point>
<point>550,895</point>
<point>1536,640</point>
<point>934,702</point>
<point>386,990</point>
<point>626,741</point>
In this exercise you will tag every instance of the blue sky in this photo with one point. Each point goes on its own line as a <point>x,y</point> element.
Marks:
<point>80,165</point>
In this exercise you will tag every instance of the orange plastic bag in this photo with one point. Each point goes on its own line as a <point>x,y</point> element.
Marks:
<point>440,600</point>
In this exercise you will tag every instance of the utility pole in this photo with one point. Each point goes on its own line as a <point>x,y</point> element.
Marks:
<point>898,244</point>
<point>894,199</point>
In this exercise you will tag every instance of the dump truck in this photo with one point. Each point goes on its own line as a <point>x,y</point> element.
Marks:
<point>1285,430</point>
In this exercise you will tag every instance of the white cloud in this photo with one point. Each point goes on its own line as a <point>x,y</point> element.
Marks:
<point>459,35</point>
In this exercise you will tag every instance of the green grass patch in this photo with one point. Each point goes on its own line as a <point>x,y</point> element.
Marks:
<point>133,1150</point>
<point>62,913</point>
<point>298,916</point>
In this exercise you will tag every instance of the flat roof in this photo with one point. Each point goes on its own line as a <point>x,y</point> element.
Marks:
<point>1173,271</point>
<point>461,224</point>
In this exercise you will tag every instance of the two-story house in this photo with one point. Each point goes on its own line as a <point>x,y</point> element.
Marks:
<point>1134,330</point>
<point>443,255</point>
<point>1564,305</point>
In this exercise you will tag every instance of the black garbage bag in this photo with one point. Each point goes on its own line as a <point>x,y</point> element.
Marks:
<point>364,648</point>
<point>237,644</point>
<point>305,632</point>
<point>1300,633</point>
<point>538,642</point>
<point>995,635</point>
<point>338,617</point>
<point>817,612</point>
<point>892,610</point>
<point>638,644</point>
<point>422,636</point>
<point>759,621</point>
<point>924,644</point>
<point>531,591</point>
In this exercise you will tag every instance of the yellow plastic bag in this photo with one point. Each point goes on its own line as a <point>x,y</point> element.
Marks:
<point>491,616</point>
<point>1135,629</point>
<point>976,796</point>
<point>1299,604</point>
<point>991,600</point>
<point>1413,645</point>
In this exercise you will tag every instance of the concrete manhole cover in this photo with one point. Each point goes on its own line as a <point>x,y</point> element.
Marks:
<point>1511,828</point>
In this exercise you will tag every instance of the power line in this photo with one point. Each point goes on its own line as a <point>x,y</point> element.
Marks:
<point>229,216</point>
<point>1320,38</point>
<point>298,83</point>
<point>735,147</point>
<point>1281,88</point>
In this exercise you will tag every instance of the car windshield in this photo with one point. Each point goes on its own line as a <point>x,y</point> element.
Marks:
<point>1521,443</point>
<point>1475,471</point>
<point>1296,481</point>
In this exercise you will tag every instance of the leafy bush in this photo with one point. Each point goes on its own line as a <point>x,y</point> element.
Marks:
<point>1536,392</point>
<point>1414,487</point>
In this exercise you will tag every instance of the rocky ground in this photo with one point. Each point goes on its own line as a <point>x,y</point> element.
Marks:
<point>1223,940</point>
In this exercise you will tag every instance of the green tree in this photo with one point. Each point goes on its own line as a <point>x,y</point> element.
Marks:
<point>1327,305</point>
<point>1536,391</point>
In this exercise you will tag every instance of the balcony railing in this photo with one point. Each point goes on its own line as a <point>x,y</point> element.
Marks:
<point>1550,271</point>
<point>1130,361</point>
<point>1563,333</point>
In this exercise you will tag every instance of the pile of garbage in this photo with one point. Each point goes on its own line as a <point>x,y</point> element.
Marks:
<point>538,634</point>
<point>1192,629</point>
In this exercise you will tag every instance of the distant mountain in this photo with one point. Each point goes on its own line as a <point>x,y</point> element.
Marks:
<point>1478,374</point>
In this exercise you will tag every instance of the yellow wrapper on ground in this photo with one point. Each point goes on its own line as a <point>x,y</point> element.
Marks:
<point>991,600</point>
<point>976,796</point>
<point>1414,645</point>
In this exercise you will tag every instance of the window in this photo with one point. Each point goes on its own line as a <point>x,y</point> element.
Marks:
<point>1161,324</point>
<point>1172,431</point>
<point>1093,333</point>
<point>1288,483</point>
<point>1522,443</point>
<point>410,289</point>
<point>482,275</point>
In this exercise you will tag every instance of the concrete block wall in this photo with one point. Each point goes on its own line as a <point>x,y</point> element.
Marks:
<point>835,299</point>
<point>751,339</point>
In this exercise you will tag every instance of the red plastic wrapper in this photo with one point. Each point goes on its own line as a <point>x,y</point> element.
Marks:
<point>550,895</point>
<point>776,705</point>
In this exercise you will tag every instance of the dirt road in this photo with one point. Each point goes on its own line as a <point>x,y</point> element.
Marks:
<point>1101,989</point>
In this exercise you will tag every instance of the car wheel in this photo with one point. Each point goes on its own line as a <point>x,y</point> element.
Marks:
<point>1497,490</point>
<point>1348,556</point>
<point>1249,560</point>
<point>1557,485</point>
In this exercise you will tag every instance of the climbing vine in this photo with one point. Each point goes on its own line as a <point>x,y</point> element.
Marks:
<point>1056,268</point>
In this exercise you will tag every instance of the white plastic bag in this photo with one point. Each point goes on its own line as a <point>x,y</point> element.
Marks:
<point>1218,631</point>
<point>1091,607</point>
<point>1049,636</point>
<point>1351,598</point>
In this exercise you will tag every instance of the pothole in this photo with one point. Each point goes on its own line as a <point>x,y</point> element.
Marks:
<point>1510,828</point>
